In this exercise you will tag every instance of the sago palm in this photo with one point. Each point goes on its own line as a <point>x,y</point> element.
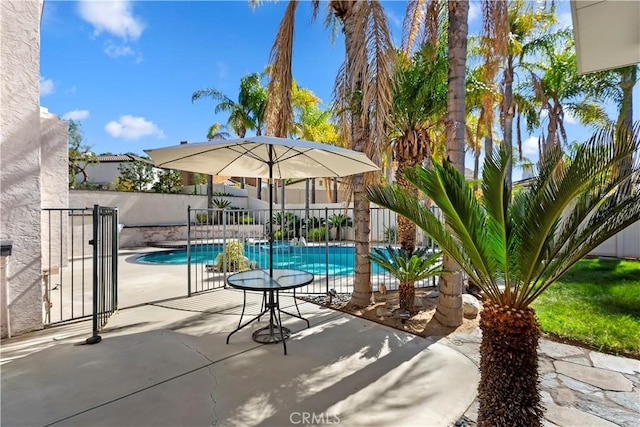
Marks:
<point>515,246</point>
<point>408,268</point>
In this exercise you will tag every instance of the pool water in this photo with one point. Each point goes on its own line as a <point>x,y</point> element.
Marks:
<point>313,259</point>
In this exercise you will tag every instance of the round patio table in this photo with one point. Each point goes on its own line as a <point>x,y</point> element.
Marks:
<point>270,286</point>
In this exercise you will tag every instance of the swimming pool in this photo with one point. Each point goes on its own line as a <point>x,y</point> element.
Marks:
<point>314,259</point>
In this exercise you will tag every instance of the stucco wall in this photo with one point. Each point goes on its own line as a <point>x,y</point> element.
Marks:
<point>140,208</point>
<point>20,158</point>
<point>54,184</point>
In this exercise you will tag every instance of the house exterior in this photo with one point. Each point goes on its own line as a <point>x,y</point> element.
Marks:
<point>106,169</point>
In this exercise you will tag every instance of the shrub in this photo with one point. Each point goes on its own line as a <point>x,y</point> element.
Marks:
<point>246,219</point>
<point>281,235</point>
<point>317,234</point>
<point>202,218</point>
<point>235,259</point>
<point>390,234</point>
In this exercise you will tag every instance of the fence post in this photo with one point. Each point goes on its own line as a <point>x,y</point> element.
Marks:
<point>326,247</point>
<point>114,260</point>
<point>189,250</point>
<point>95,338</point>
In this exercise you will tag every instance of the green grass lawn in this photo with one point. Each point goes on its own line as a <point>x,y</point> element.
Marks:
<point>597,303</point>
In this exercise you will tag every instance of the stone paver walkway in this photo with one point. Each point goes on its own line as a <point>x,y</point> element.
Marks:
<point>579,387</point>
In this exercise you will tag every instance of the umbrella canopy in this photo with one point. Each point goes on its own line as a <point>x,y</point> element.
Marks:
<point>263,157</point>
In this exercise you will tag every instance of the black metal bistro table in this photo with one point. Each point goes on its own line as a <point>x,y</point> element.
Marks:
<point>270,286</point>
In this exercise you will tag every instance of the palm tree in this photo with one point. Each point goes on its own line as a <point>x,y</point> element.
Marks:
<point>556,88</point>
<point>617,86</point>
<point>449,308</point>
<point>313,124</point>
<point>419,100</point>
<point>424,16</point>
<point>216,131</point>
<point>408,268</point>
<point>515,250</point>
<point>526,21</point>
<point>362,97</point>
<point>340,222</point>
<point>248,113</point>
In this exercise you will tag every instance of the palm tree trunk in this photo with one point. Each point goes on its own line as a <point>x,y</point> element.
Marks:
<point>306,201</point>
<point>313,191</point>
<point>406,295</point>
<point>406,227</point>
<point>508,392</point>
<point>628,79</point>
<point>346,12</point>
<point>508,110</point>
<point>449,310</point>
<point>362,288</point>
<point>209,191</point>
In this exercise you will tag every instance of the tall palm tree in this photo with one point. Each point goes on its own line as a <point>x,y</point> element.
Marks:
<point>419,103</point>
<point>216,131</point>
<point>248,113</point>
<point>526,22</point>
<point>423,17</point>
<point>616,86</point>
<point>515,250</point>
<point>556,88</point>
<point>362,97</point>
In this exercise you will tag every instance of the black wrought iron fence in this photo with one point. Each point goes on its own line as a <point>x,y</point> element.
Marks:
<point>79,264</point>
<point>223,241</point>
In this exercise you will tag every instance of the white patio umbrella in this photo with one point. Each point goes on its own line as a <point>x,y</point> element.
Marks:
<point>263,157</point>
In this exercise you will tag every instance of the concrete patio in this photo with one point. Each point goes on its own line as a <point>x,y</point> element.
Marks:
<point>167,364</point>
<point>163,361</point>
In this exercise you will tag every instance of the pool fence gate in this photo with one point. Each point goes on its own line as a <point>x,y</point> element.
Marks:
<point>80,268</point>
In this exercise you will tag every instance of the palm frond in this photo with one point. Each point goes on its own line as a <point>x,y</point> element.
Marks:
<point>496,199</point>
<point>449,190</point>
<point>279,113</point>
<point>407,267</point>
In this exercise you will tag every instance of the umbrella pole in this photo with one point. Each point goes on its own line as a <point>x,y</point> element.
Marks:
<point>270,211</point>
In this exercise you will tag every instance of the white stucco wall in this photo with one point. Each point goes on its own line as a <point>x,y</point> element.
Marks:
<point>54,185</point>
<point>140,208</point>
<point>20,159</point>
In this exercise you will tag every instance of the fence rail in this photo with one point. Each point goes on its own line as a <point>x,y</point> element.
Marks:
<point>223,241</point>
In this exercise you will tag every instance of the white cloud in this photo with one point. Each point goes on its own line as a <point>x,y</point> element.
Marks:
<point>71,90</point>
<point>475,10</point>
<point>530,146</point>
<point>114,51</point>
<point>132,128</point>
<point>46,86</point>
<point>114,17</point>
<point>76,115</point>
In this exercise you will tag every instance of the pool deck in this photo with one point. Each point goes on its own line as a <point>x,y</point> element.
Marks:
<point>164,361</point>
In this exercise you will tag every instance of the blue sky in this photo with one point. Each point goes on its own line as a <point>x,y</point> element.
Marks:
<point>127,70</point>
